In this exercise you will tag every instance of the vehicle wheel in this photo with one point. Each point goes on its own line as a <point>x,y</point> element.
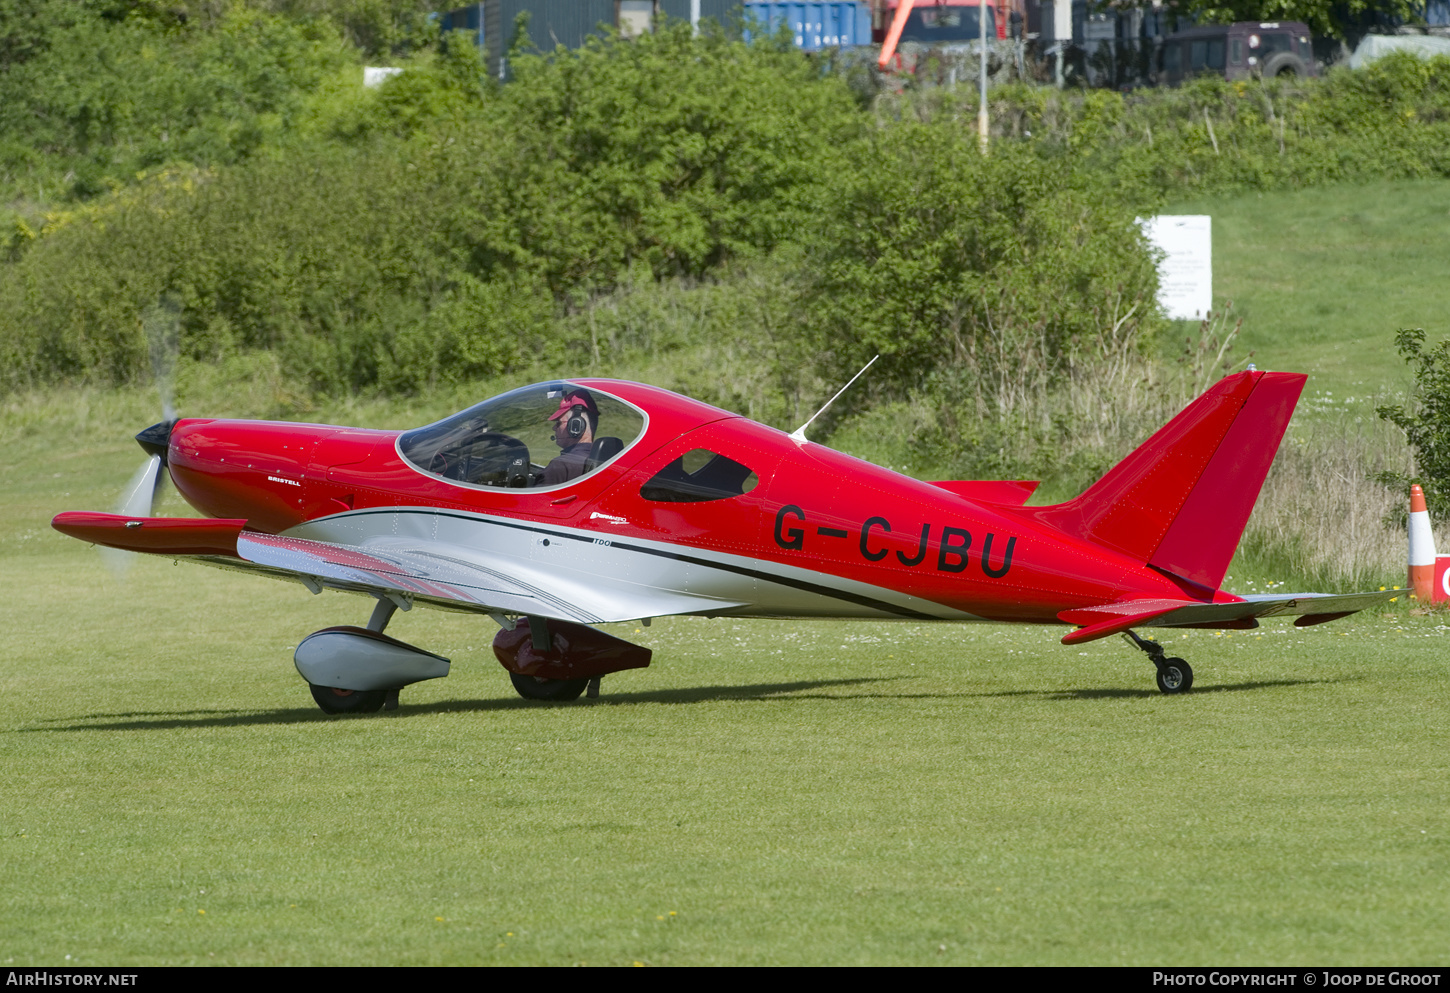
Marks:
<point>1285,64</point>
<point>1175,676</point>
<point>553,690</point>
<point>336,701</point>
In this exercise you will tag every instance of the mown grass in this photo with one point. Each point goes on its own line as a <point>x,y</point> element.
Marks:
<point>1324,277</point>
<point>767,792</point>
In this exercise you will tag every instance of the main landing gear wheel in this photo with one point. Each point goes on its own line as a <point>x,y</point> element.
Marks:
<point>552,690</point>
<point>335,701</point>
<point>1174,676</point>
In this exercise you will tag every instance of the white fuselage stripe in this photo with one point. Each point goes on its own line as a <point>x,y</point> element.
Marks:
<point>877,600</point>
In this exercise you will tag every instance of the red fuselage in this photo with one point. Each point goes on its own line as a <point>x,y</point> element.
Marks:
<point>813,508</point>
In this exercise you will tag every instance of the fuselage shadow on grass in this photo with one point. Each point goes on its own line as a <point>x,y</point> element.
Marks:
<point>751,693</point>
<point>237,717</point>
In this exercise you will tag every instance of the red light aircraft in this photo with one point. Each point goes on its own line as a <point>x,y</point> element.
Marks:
<point>659,504</point>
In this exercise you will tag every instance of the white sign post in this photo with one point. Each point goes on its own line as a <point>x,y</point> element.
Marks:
<point>1185,274</point>
<point>1061,33</point>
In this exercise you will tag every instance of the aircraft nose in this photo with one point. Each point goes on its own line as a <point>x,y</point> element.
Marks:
<point>156,440</point>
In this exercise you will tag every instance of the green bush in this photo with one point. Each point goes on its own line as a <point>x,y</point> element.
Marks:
<point>1426,422</point>
<point>439,227</point>
<point>985,283</point>
<point>725,216</point>
<point>1390,120</point>
<point>88,98</point>
<point>680,152</point>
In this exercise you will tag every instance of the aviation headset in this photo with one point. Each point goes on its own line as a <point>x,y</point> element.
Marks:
<point>577,414</point>
<point>578,421</point>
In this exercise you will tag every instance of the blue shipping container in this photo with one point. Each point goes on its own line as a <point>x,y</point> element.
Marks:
<point>814,26</point>
<point>559,22</point>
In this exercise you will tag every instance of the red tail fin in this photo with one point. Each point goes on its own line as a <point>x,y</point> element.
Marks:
<point>1180,501</point>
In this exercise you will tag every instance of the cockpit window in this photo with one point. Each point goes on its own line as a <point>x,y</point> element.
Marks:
<point>541,435</point>
<point>697,476</point>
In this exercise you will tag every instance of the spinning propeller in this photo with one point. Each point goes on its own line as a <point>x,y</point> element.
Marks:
<point>161,324</point>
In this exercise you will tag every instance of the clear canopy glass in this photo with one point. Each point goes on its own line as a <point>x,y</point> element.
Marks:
<point>558,430</point>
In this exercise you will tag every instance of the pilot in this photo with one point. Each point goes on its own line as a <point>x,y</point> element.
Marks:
<point>575,422</point>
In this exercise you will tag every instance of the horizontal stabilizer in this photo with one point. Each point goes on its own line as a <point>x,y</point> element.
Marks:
<point>1313,608</point>
<point>1110,618</point>
<point>157,535</point>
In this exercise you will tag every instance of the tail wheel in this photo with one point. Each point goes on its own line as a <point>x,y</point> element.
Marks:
<point>553,690</point>
<point>338,701</point>
<point>1175,676</point>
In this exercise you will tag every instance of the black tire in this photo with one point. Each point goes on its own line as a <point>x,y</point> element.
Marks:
<point>551,690</point>
<point>1284,64</point>
<point>335,701</point>
<point>1175,676</point>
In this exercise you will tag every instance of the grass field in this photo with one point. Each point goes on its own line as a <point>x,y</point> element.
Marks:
<point>1324,277</point>
<point>765,793</point>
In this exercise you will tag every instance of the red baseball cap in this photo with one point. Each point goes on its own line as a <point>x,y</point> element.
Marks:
<point>579,398</point>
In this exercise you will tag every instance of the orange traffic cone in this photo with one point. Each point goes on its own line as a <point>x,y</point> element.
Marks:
<point>1422,547</point>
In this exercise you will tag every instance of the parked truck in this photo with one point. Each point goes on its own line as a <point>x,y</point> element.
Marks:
<point>1242,50</point>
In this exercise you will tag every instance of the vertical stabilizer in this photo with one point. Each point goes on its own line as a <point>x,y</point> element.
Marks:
<point>1181,500</point>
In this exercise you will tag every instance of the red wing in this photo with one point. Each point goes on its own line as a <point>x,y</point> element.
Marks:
<point>157,535</point>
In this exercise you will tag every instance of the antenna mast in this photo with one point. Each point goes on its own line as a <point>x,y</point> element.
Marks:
<point>799,434</point>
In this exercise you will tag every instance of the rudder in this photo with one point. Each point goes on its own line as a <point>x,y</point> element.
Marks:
<point>1180,501</point>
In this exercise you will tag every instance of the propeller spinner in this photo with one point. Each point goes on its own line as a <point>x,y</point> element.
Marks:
<point>156,439</point>
<point>140,492</point>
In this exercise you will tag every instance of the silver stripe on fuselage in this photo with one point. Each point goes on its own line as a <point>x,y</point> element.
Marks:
<point>612,578</point>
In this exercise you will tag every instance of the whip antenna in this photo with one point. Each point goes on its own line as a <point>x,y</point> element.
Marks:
<point>799,434</point>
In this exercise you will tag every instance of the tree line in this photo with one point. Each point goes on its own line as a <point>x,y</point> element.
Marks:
<point>675,195</point>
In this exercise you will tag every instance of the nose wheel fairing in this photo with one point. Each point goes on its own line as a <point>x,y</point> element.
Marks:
<point>358,660</point>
